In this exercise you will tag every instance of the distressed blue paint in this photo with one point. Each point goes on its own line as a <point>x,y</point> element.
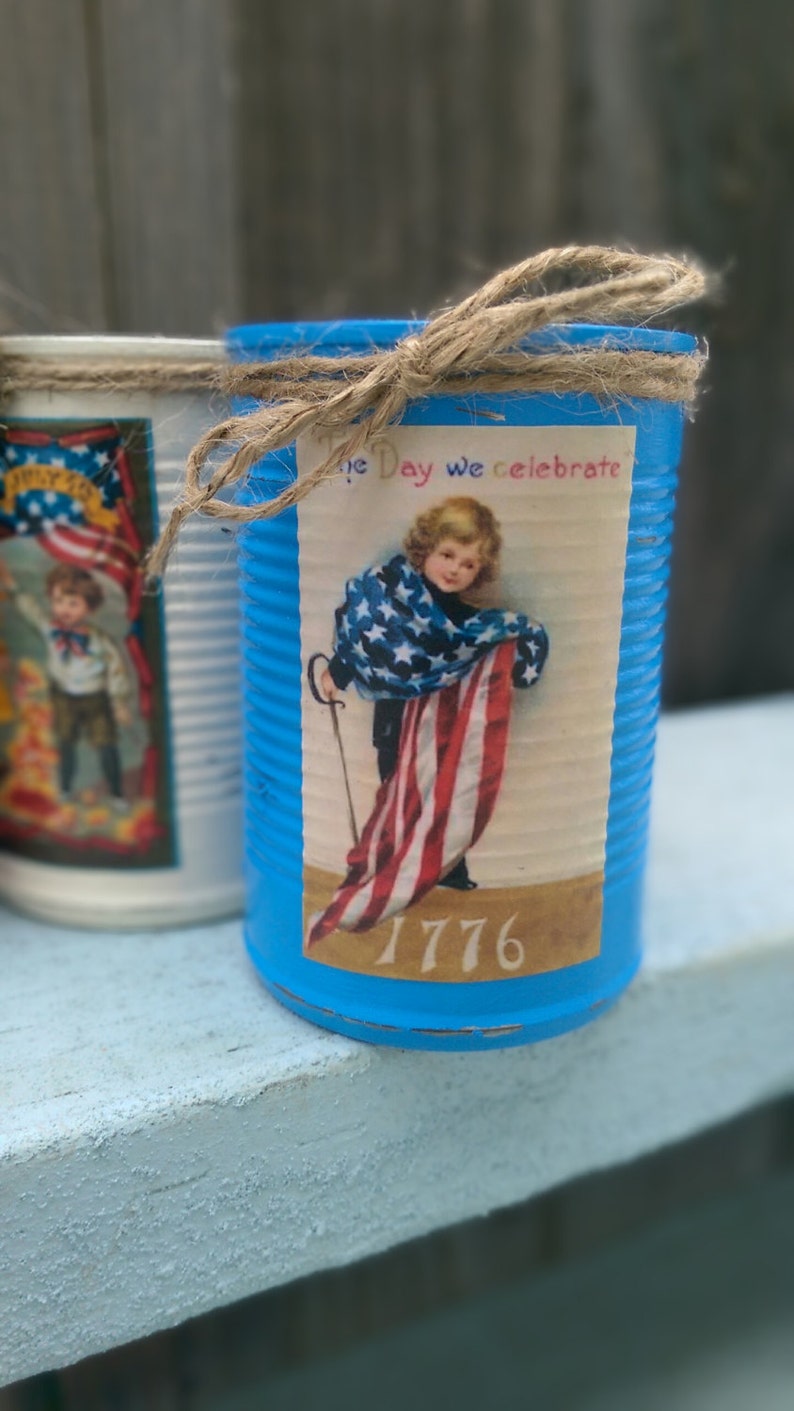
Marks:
<point>387,1010</point>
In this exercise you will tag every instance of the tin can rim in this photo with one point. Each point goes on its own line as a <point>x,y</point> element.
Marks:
<point>108,345</point>
<point>269,340</point>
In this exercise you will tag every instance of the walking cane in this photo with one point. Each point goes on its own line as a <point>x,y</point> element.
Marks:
<point>333,706</point>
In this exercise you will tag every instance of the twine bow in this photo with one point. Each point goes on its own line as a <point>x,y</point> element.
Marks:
<point>472,347</point>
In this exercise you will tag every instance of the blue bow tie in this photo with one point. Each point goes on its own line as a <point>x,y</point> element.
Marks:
<point>70,643</point>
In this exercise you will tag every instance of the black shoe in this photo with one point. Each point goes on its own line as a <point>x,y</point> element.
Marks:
<point>458,879</point>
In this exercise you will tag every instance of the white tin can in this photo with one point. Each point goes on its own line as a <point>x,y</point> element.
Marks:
<point>120,773</point>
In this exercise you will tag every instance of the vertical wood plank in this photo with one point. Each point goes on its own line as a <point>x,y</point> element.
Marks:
<point>393,153</point>
<point>167,100</point>
<point>722,87</point>
<point>625,181</point>
<point>51,234</point>
<point>533,125</point>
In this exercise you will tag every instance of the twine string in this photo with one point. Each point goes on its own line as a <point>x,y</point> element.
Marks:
<point>472,347</point>
<point>23,372</point>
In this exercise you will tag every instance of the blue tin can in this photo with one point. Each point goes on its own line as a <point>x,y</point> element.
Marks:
<point>452,655</point>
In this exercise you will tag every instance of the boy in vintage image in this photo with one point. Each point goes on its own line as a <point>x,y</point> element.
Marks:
<point>440,671</point>
<point>88,679</point>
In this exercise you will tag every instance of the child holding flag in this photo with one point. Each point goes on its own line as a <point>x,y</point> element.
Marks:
<point>440,671</point>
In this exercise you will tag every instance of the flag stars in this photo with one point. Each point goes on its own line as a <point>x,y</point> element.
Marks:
<point>403,643</point>
<point>528,674</point>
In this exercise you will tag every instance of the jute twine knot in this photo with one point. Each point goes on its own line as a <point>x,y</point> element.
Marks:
<point>415,373</point>
<point>469,348</point>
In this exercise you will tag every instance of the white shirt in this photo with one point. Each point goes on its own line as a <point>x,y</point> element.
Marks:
<point>80,660</point>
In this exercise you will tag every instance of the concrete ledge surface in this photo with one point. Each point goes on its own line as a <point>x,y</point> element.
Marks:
<point>172,1140</point>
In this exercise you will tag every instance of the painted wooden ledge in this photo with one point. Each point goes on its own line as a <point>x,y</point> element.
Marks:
<point>172,1140</point>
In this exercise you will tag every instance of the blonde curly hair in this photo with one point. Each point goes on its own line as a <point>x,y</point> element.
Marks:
<point>463,519</point>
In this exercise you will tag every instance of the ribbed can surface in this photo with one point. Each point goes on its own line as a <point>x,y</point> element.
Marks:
<point>413,1012</point>
<point>184,680</point>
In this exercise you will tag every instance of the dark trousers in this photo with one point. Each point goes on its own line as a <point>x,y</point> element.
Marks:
<point>90,717</point>
<point>110,763</point>
<point>386,726</point>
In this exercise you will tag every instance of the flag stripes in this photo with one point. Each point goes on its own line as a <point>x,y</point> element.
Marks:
<point>437,802</point>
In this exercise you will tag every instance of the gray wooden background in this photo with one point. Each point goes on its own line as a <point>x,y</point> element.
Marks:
<point>175,167</point>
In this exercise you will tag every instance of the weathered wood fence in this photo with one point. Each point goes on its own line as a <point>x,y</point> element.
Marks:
<point>174,167</point>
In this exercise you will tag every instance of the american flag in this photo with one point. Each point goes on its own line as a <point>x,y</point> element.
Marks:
<point>93,548</point>
<point>398,642</point>
<point>437,802</point>
<point>58,519</point>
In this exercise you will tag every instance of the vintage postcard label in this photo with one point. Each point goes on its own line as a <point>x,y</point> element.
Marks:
<point>84,741</point>
<point>460,594</point>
